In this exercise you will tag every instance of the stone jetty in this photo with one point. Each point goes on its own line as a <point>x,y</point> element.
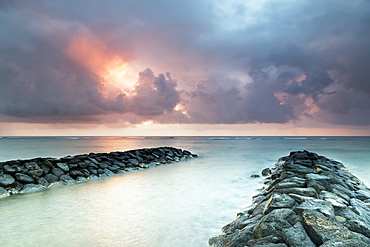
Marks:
<point>23,176</point>
<point>308,200</point>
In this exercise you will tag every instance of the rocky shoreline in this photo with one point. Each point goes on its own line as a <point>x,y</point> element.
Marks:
<point>24,176</point>
<point>308,200</point>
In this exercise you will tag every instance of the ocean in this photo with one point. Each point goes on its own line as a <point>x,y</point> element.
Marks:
<point>179,204</point>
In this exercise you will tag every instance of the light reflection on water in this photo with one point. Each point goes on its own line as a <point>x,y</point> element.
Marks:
<point>181,204</point>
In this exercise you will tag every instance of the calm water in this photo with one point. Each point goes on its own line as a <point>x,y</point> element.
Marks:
<point>181,204</point>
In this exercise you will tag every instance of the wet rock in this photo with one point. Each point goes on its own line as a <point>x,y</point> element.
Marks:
<point>67,179</point>
<point>51,178</point>
<point>266,172</point>
<point>6,180</point>
<point>322,229</point>
<point>297,236</point>
<point>63,166</point>
<point>3,192</point>
<point>24,178</point>
<point>278,201</point>
<point>31,188</point>
<point>57,171</point>
<point>273,223</point>
<point>334,199</point>
<point>345,243</point>
<point>42,181</point>
<point>321,206</point>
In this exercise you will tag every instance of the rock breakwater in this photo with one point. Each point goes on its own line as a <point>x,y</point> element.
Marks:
<point>23,176</point>
<point>308,200</point>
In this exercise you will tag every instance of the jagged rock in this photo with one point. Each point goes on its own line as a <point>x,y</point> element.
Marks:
<point>27,188</point>
<point>266,172</point>
<point>63,166</point>
<point>24,178</point>
<point>322,229</point>
<point>42,181</point>
<point>321,206</point>
<point>278,201</point>
<point>51,178</point>
<point>334,199</point>
<point>6,180</point>
<point>358,226</point>
<point>296,236</point>
<point>273,223</point>
<point>67,179</point>
<point>345,243</point>
<point>3,192</point>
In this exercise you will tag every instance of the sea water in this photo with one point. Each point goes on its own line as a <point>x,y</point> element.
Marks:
<point>179,204</point>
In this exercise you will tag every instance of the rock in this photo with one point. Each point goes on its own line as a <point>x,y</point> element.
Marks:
<point>3,192</point>
<point>322,229</point>
<point>273,223</point>
<point>362,195</point>
<point>255,176</point>
<point>51,178</point>
<point>278,201</point>
<point>358,226</point>
<point>308,192</point>
<point>35,173</point>
<point>24,178</point>
<point>67,179</point>
<point>57,172</point>
<point>63,166</point>
<point>31,188</point>
<point>6,180</point>
<point>345,243</point>
<point>297,236</point>
<point>266,172</point>
<point>76,173</point>
<point>334,199</point>
<point>42,181</point>
<point>321,206</point>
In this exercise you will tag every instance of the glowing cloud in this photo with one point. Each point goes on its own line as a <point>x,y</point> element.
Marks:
<point>90,52</point>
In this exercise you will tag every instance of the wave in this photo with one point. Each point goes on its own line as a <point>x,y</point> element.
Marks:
<point>230,138</point>
<point>295,138</point>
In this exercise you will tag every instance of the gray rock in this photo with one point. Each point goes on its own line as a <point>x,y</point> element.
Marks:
<point>63,166</point>
<point>321,206</point>
<point>51,178</point>
<point>35,173</point>
<point>27,188</point>
<point>278,201</point>
<point>345,243</point>
<point>361,209</point>
<point>334,199</point>
<point>362,195</point>
<point>81,179</point>
<point>358,226</point>
<point>6,180</point>
<point>57,171</point>
<point>273,223</point>
<point>296,236</point>
<point>266,172</point>
<point>322,229</point>
<point>24,178</point>
<point>108,172</point>
<point>3,192</point>
<point>42,181</point>
<point>67,179</point>
<point>76,173</point>
<point>309,192</point>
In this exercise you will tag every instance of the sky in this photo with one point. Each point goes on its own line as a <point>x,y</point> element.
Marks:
<point>195,67</point>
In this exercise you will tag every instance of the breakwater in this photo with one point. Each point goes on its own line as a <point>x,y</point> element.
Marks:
<point>24,176</point>
<point>308,200</point>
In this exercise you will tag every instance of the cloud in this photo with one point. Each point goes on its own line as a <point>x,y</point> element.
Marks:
<point>230,61</point>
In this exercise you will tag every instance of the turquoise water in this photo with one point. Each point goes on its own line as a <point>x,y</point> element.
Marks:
<point>180,204</point>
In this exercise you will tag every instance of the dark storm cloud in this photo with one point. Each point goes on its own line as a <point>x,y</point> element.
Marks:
<point>232,62</point>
